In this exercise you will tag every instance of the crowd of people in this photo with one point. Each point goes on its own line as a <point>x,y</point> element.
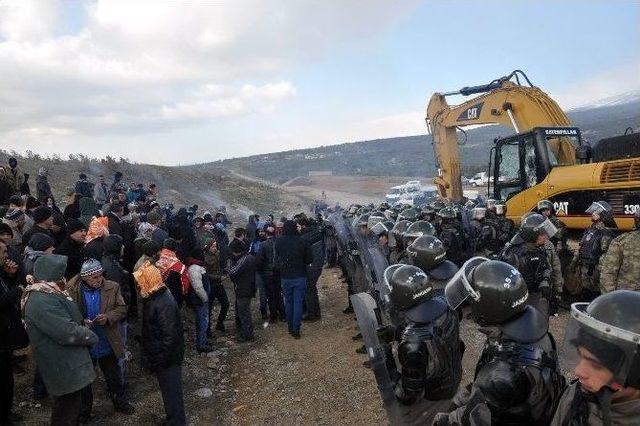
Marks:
<point>77,282</point>
<point>426,269</point>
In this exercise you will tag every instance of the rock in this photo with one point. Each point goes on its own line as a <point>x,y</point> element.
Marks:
<point>212,362</point>
<point>204,393</point>
<point>297,399</point>
<point>238,408</point>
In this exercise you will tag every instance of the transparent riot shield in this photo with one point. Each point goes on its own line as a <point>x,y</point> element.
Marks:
<point>364,307</point>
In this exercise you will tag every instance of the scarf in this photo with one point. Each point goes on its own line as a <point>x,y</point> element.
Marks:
<point>42,287</point>
<point>168,263</point>
<point>149,279</point>
<point>98,228</point>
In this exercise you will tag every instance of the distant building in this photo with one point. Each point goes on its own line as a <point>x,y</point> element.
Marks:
<point>320,173</point>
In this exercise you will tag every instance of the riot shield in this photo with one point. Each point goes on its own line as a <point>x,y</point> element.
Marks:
<point>364,307</point>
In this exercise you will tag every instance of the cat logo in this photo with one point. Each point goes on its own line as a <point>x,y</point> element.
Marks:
<point>561,207</point>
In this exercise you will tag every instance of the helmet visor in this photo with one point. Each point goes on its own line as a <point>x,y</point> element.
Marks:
<point>547,227</point>
<point>479,212</point>
<point>500,208</point>
<point>459,289</point>
<point>389,272</point>
<point>598,207</point>
<point>378,228</point>
<point>590,343</point>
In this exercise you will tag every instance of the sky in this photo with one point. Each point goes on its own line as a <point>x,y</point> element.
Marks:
<point>170,82</point>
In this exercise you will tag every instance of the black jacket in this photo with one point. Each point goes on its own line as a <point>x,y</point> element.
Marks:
<point>36,229</point>
<point>162,333</point>
<point>243,275</point>
<point>12,333</point>
<point>74,252</point>
<point>293,255</point>
<point>113,270</point>
<point>266,257</point>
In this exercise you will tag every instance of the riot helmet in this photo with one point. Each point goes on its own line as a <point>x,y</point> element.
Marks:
<point>545,205</point>
<point>437,205</point>
<point>427,252</point>
<point>601,211</point>
<point>448,213</point>
<point>375,218</point>
<point>362,220</point>
<point>419,228</point>
<point>384,206</point>
<point>379,228</point>
<point>410,214</point>
<point>409,287</point>
<point>535,224</point>
<point>479,213</point>
<point>495,290</point>
<point>491,204</point>
<point>389,224</point>
<point>609,329</point>
<point>400,228</point>
<point>501,208</point>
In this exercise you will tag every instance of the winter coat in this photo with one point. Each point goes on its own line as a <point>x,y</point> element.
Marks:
<point>60,342</point>
<point>24,188</point>
<point>101,193</point>
<point>111,304</point>
<point>198,282</point>
<point>243,275</point>
<point>17,232</point>
<point>113,269</point>
<point>159,235</point>
<point>12,333</point>
<point>315,239</point>
<point>293,255</point>
<point>266,258</point>
<point>75,257</point>
<point>15,177</point>
<point>84,188</point>
<point>213,267</point>
<point>72,211</point>
<point>43,189</point>
<point>162,333</point>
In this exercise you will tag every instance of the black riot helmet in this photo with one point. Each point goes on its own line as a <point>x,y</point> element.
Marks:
<point>427,252</point>
<point>496,291</point>
<point>438,205</point>
<point>534,224</point>
<point>448,213</point>
<point>375,218</point>
<point>400,228</point>
<point>384,206</point>
<point>410,214</point>
<point>362,220</point>
<point>419,228</point>
<point>501,208</point>
<point>609,328</point>
<point>409,287</point>
<point>604,212</point>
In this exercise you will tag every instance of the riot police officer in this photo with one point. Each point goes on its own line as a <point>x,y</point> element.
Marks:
<point>415,230</point>
<point>602,348</point>
<point>483,232</point>
<point>506,227</point>
<point>427,341</point>
<point>452,236</point>
<point>429,254</point>
<point>397,241</point>
<point>594,243</point>
<point>527,254</point>
<point>546,208</point>
<point>517,379</point>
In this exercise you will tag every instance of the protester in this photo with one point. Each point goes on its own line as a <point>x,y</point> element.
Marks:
<point>59,338</point>
<point>43,189</point>
<point>293,255</point>
<point>162,340</point>
<point>271,276</point>
<point>213,267</point>
<point>101,192</point>
<point>15,176</point>
<point>43,221</point>
<point>6,188</point>
<point>84,187</point>
<point>174,272</point>
<point>72,209</point>
<point>241,268</point>
<point>15,219</point>
<point>12,337</point>
<point>198,300</point>
<point>101,304</point>
<point>88,210</point>
<point>72,247</point>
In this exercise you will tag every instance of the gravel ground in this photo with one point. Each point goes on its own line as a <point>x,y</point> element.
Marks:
<point>318,379</point>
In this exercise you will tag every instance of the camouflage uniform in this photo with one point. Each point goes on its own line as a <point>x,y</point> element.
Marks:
<point>556,280</point>
<point>620,266</point>
<point>560,239</point>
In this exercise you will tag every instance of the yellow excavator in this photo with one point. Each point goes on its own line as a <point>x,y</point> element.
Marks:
<point>545,159</point>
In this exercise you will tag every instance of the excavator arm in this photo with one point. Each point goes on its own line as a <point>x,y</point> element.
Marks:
<point>501,102</point>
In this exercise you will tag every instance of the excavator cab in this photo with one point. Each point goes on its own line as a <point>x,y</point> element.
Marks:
<point>524,160</point>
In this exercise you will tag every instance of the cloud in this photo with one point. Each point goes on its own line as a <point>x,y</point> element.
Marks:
<point>143,67</point>
<point>614,82</point>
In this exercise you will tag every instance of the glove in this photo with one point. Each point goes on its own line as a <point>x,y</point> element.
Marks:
<point>545,290</point>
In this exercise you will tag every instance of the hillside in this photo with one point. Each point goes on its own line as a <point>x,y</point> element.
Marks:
<point>208,188</point>
<point>413,155</point>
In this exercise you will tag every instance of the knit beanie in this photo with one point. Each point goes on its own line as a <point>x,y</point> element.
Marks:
<point>40,242</point>
<point>90,267</point>
<point>74,225</point>
<point>50,268</point>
